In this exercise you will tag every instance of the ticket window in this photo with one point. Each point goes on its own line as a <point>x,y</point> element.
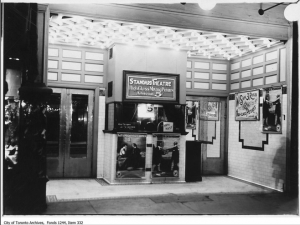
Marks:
<point>141,117</point>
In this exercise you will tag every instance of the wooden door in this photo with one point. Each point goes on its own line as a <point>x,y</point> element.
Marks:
<point>212,135</point>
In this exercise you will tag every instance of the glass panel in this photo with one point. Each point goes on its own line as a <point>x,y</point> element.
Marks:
<point>53,125</point>
<point>78,144</point>
<point>131,155</point>
<point>150,117</point>
<point>165,157</point>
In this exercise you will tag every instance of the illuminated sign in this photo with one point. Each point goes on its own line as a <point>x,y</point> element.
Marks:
<point>150,86</point>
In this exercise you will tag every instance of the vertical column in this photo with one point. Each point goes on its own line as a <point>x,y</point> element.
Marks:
<point>182,158</point>
<point>31,193</point>
<point>149,152</point>
<point>42,32</point>
<point>101,137</point>
<point>113,158</point>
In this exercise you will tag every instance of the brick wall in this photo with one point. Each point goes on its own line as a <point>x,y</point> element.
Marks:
<point>264,167</point>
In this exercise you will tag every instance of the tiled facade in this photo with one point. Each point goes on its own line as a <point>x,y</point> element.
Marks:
<point>101,137</point>
<point>265,167</point>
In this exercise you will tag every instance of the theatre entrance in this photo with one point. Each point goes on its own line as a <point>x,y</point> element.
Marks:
<point>69,133</point>
<point>206,124</point>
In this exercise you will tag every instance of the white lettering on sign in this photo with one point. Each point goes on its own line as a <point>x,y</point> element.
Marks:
<point>150,87</point>
<point>154,82</point>
<point>168,126</point>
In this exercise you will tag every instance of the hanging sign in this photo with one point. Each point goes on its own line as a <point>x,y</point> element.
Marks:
<point>247,105</point>
<point>150,86</point>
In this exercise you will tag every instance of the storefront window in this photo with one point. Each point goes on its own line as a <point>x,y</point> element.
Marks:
<point>149,117</point>
<point>11,129</point>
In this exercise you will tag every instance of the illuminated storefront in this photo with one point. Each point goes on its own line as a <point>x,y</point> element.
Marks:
<point>131,89</point>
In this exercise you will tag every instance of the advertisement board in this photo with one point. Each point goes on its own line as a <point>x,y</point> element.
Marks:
<point>131,154</point>
<point>209,111</point>
<point>150,86</point>
<point>272,99</point>
<point>247,105</point>
<point>165,158</point>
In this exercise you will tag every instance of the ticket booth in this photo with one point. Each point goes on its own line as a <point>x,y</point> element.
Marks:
<point>145,123</point>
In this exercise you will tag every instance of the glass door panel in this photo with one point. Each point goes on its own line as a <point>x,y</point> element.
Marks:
<point>78,148</point>
<point>55,133</point>
<point>69,133</point>
<point>79,129</point>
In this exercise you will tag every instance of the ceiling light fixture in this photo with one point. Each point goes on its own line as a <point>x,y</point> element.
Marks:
<point>292,12</point>
<point>207,4</point>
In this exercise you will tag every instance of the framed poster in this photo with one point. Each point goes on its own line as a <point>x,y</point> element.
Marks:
<point>165,158</point>
<point>150,87</point>
<point>272,99</point>
<point>247,105</point>
<point>209,111</point>
<point>131,154</point>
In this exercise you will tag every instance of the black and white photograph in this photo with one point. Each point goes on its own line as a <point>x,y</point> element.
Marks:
<point>272,112</point>
<point>165,156</point>
<point>146,112</point>
<point>131,155</point>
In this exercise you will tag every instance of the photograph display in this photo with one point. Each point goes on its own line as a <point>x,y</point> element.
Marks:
<point>247,105</point>
<point>209,110</point>
<point>191,114</point>
<point>272,99</point>
<point>131,153</point>
<point>165,158</point>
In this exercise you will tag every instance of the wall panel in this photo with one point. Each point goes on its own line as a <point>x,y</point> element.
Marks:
<point>258,69</point>
<point>80,65</point>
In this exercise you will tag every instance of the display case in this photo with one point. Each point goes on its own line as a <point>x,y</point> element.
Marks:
<point>145,117</point>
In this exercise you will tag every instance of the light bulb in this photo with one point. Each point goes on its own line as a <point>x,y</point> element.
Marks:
<point>207,4</point>
<point>292,12</point>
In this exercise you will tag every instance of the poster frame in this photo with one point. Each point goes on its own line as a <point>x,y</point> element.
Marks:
<point>206,118</point>
<point>278,128</point>
<point>257,106</point>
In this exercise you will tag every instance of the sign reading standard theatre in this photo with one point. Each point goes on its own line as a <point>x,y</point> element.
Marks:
<point>150,86</point>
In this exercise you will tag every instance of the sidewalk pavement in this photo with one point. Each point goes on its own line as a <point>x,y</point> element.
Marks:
<point>94,189</point>
<point>73,200</point>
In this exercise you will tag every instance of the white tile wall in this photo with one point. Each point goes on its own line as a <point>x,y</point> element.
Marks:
<point>182,158</point>
<point>266,167</point>
<point>101,138</point>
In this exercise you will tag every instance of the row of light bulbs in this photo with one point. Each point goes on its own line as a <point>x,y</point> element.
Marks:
<point>78,30</point>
